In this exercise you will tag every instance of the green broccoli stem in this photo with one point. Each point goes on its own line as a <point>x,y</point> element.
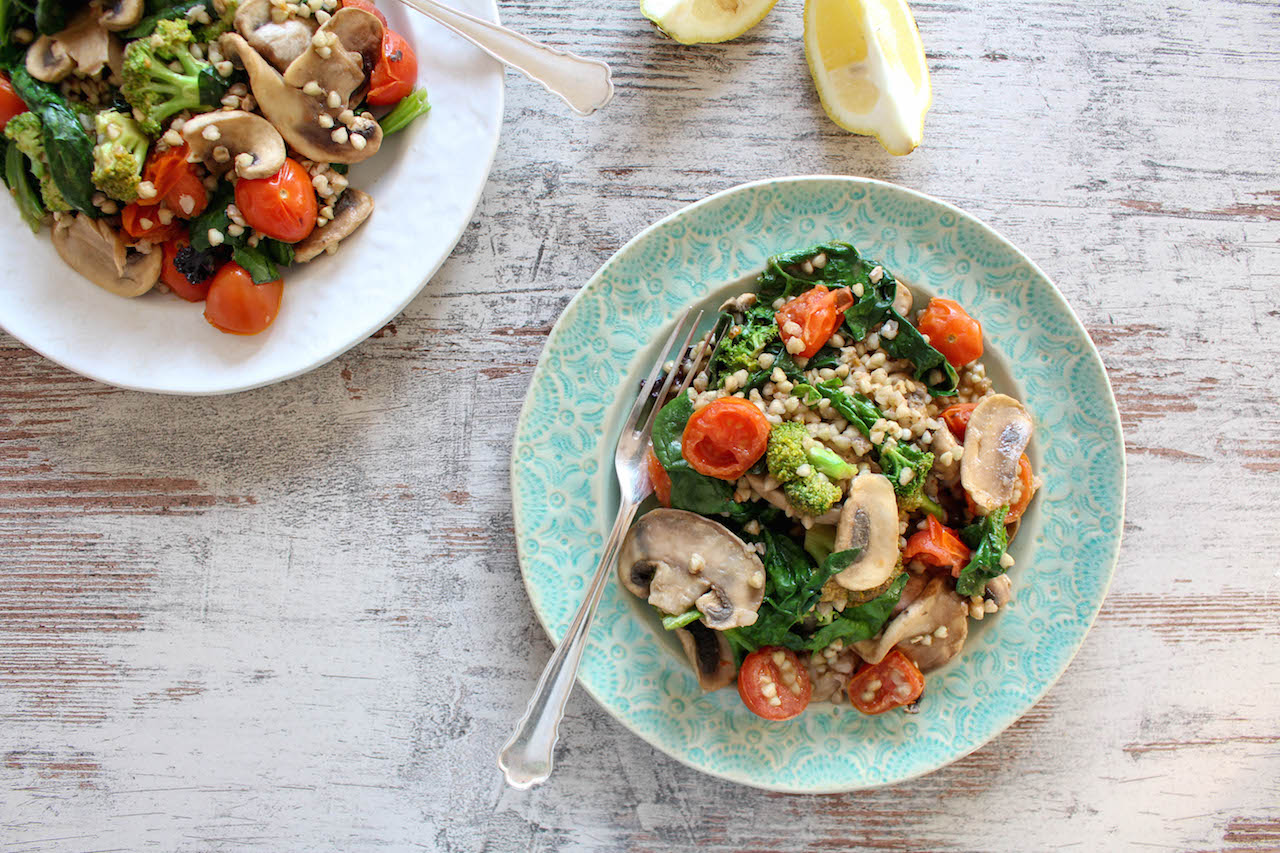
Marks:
<point>411,107</point>
<point>826,461</point>
<point>672,622</point>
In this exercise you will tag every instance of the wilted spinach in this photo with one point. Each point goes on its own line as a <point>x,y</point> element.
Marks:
<point>988,539</point>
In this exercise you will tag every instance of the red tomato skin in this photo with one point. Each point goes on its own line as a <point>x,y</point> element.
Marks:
<point>178,282</point>
<point>818,312</point>
<point>957,418</point>
<point>237,306</point>
<point>10,104</point>
<point>282,206</point>
<point>895,669</point>
<point>396,72</point>
<point>367,6</point>
<point>760,664</point>
<point>1028,490</point>
<point>951,331</point>
<point>725,438</point>
<point>937,546</point>
<point>132,217</point>
<point>659,477</point>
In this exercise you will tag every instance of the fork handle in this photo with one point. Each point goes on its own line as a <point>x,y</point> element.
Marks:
<point>584,84</point>
<point>527,757</point>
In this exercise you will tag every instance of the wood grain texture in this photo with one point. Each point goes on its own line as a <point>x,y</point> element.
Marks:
<point>292,619</point>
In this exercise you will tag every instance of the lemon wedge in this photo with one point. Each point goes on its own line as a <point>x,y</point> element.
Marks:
<point>868,65</point>
<point>705,21</point>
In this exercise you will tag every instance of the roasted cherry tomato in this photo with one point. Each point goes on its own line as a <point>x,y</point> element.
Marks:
<point>177,280</point>
<point>396,72</point>
<point>178,185</point>
<point>10,104</point>
<point>1028,491</point>
<point>892,683</point>
<point>951,331</point>
<point>144,223</point>
<point>659,477</point>
<point>774,684</point>
<point>957,418</point>
<point>817,313</point>
<point>236,305</point>
<point>282,206</point>
<point>725,438</point>
<point>938,546</point>
<point>367,6</point>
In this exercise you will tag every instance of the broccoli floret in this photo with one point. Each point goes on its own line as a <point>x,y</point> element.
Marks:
<point>26,131</point>
<point>119,155</point>
<point>814,495</point>
<point>829,463</point>
<point>895,459</point>
<point>224,24</point>
<point>742,351</point>
<point>786,450</point>
<point>154,89</point>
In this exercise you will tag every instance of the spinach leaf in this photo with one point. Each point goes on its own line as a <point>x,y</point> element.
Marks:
<point>828,356</point>
<point>52,15</point>
<point>278,251</point>
<point>861,622</point>
<point>854,408</point>
<point>689,489</point>
<point>215,218</point>
<point>26,193</point>
<point>908,343</point>
<point>988,539</point>
<point>784,277</point>
<point>211,85</point>
<point>256,263</point>
<point>70,153</point>
<point>781,360</point>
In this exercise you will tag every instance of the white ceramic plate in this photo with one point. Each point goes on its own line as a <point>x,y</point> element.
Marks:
<point>426,182</point>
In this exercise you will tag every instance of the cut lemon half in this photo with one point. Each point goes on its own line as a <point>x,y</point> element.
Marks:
<point>868,65</point>
<point>705,21</point>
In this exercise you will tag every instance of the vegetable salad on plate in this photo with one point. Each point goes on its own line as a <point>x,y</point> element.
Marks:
<point>839,485</point>
<point>197,146</point>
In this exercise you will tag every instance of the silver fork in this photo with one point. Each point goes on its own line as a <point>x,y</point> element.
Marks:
<point>527,757</point>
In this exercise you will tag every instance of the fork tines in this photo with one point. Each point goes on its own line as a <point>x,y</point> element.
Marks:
<point>649,402</point>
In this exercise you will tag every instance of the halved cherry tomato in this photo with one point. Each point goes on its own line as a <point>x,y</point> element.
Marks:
<point>236,305</point>
<point>10,104</point>
<point>951,331</point>
<point>938,546</point>
<point>177,281</point>
<point>396,72</point>
<point>1028,490</point>
<point>282,206</point>
<point>774,684</point>
<point>177,183</point>
<point>725,438</point>
<point>144,223</point>
<point>817,312</point>
<point>659,477</point>
<point>957,418</point>
<point>892,683</point>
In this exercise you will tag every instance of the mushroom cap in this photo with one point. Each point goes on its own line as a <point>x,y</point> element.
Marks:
<point>994,440</point>
<point>120,15</point>
<point>869,522</point>
<point>240,133</point>
<point>710,654</point>
<point>48,60</point>
<point>94,249</point>
<point>279,44</point>
<point>86,41</point>
<point>944,441</point>
<point>902,299</point>
<point>696,562</point>
<point>294,113</point>
<point>351,60</point>
<point>349,213</point>
<point>914,631</point>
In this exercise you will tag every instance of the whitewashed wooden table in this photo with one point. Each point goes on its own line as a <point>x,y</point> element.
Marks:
<point>292,619</point>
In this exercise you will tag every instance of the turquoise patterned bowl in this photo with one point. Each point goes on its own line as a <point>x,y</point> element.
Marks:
<point>565,494</point>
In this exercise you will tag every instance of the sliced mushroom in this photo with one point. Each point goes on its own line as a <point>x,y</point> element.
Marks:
<point>120,15</point>
<point>296,114</point>
<point>248,141</point>
<point>354,39</point>
<point>48,60</point>
<point>697,563</point>
<point>710,654</point>
<point>86,42</point>
<point>768,489</point>
<point>349,213</point>
<point>999,590</point>
<point>94,249</point>
<point>278,43</point>
<point>946,467</point>
<point>869,522</point>
<point>998,432</point>
<point>931,631</point>
<point>902,299</point>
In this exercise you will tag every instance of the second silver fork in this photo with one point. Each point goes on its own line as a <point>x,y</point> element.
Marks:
<point>527,757</point>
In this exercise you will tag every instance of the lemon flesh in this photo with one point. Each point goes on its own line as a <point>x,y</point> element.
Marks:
<point>705,21</point>
<point>868,65</point>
